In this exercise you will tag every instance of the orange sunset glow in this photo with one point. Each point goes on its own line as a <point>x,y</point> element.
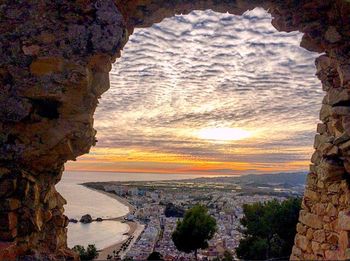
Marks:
<point>230,95</point>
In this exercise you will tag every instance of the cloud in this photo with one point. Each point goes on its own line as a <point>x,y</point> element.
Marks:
<point>210,69</point>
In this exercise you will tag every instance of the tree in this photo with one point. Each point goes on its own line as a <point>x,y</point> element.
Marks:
<point>269,229</point>
<point>155,256</point>
<point>194,231</point>
<point>89,254</point>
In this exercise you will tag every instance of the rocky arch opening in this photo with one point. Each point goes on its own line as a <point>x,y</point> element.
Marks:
<point>150,66</point>
<point>64,59</point>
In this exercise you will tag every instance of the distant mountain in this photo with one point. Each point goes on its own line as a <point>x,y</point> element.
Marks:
<point>283,179</point>
<point>294,179</point>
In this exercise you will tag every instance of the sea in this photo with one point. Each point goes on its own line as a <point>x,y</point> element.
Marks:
<point>82,200</point>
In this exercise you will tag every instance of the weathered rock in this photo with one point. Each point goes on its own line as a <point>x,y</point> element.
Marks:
<point>344,74</point>
<point>31,50</point>
<point>302,242</point>
<point>7,187</point>
<point>320,184</point>
<point>345,146</point>
<point>332,35</point>
<point>344,220</point>
<point>312,195</point>
<point>333,187</point>
<point>331,255</point>
<point>301,229</point>
<point>316,247</point>
<point>346,124</point>
<point>296,251</point>
<point>325,246</point>
<point>46,65</point>
<point>8,221</point>
<point>325,112</point>
<point>9,251</point>
<point>47,216</point>
<point>294,257</point>
<point>338,130</point>
<point>340,111</point>
<point>8,235</point>
<point>10,204</point>
<point>319,236</point>
<point>331,210</point>
<point>344,240</point>
<point>321,128</point>
<point>319,209</point>
<point>310,220</point>
<point>333,238</point>
<point>346,255</point>
<point>311,179</point>
<point>323,63</point>
<point>310,234</point>
<point>344,137</point>
<point>347,166</point>
<point>335,96</point>
<point>330,170</point>
<point>86,219</point>
<point>332,226</point>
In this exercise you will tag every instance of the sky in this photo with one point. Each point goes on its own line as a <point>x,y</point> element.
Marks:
<point>208,93</point>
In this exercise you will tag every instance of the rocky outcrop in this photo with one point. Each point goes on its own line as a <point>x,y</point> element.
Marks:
<point>55,60</point>
<point>86,219</point>
<point>73,220</point>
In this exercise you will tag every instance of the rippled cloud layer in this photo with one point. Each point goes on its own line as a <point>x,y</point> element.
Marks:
<point>208,70</point>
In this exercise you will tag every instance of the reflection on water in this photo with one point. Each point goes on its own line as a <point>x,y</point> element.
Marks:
<point>82,200</point>
<point>102,234</point>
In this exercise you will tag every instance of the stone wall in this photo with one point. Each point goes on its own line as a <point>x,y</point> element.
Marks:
<point>55,57</point>
<point>55,60</point>
<point>324,221</point>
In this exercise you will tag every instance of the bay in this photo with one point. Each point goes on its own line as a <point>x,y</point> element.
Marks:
<point>81,201</point>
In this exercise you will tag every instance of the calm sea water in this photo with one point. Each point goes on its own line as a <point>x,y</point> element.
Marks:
<point>81,201</point>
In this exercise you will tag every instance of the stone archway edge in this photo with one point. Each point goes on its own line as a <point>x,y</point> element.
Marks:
<point>55,60</point>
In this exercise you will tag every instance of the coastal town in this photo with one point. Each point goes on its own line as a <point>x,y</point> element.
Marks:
<point>157,206</point>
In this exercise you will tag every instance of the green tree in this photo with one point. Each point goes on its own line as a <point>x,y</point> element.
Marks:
<point>155,256</point>
<point>89,254</point>
<point>269,229</point>
<point>194,231</point>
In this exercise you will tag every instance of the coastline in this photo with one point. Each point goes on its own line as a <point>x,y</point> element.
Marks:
<point>135,228</point>
<point>116,197</point>
<point>133,233</point>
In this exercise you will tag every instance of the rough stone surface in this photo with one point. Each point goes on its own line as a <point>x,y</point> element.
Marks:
<point>86,219</point>
<point>55,60</point>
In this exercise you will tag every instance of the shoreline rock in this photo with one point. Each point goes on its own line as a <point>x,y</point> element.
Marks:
<point>86,219</point>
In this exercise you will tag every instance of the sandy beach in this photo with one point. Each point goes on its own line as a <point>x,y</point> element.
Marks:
<point>135,229</point>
